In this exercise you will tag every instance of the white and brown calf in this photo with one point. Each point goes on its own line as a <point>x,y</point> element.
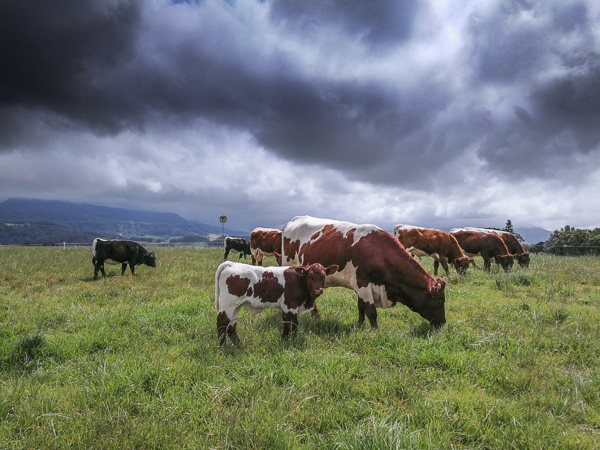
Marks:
<point>293,290</point>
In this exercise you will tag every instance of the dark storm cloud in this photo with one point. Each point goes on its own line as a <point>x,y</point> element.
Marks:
<point>546,54</point>
<point>400,95</point>
<point>385,22</point>
<point>110,67</point>
<point>51,50</point>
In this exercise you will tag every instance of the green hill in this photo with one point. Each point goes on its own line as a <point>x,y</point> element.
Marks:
<point>43,221</point>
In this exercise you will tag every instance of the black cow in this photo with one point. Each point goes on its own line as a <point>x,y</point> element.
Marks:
<point>237,245</point>
<point>123,252</point>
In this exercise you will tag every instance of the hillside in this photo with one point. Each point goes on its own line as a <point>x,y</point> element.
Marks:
<point>42,221</point>
<point>533,235</point>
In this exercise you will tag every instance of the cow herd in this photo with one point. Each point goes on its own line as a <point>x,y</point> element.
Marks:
<point>314,254</point>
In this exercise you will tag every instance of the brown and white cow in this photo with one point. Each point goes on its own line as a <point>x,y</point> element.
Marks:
<point>293,290</point>
<point>439,245</point>
<point>489,246</point>
<point>371,262</point>
<point>265,242</point>
<point>512,243</point>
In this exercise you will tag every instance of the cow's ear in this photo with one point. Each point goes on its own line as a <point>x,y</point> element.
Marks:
<point>332,269</point>
<point>300,271</point>
<point>437,285</point>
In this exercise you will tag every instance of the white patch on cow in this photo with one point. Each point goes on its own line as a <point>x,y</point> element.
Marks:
<point>402,227</point>
<point>94,245</point>
<point>110,261</point>
<point>479,230</point>
<point>266,230</point>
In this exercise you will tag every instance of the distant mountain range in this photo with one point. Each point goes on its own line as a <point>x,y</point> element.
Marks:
<point>533,235</point>
<point>47,221</point>
<point>24,221</point>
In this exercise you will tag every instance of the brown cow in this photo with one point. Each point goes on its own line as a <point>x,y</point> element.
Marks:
<point>371,262</point>
<point>439,245</point>
<point>293,290</point>
<point>512,243</point>
<point>488,245</point>
<point>265,242</point>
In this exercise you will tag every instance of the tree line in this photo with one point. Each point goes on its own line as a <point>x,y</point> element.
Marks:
<point>570,241</point>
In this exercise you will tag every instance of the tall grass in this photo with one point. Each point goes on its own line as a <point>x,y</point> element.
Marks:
<point>134,361</point>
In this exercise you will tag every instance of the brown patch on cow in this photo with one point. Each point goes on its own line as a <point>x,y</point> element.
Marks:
<point>237,285</point>
<point>266,241</point>
<point>268,289</point>
<point>290,249</point>
<point>331,247</point>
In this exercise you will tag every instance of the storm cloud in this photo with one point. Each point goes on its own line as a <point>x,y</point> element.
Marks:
<point>434,113</point>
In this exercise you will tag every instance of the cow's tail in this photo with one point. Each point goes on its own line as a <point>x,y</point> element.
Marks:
<point>217,289</point>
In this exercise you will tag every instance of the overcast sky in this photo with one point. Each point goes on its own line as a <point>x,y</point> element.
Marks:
<point>434,113</point>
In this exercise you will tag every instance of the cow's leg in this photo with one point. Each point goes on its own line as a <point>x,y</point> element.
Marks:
<point>314,311</point>
<point>290,325</point>
<point>487,265</point>
<point>368,309</point>
<point>225,255</point>
<point>227,325</point>
<point>99,267</point>
<point>436,264</point>
<point>444,263</point>
<point>222,324</point>
<point>361,312</point>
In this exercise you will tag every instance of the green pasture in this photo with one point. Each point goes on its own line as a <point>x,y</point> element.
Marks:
<point>133,362</point>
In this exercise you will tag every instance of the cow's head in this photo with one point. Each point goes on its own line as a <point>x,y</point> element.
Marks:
<point>461,264</point>
<point>150,259</point>
<point>506,261</point>
<point>429,303</point>
<point>436,311</point>
<point>523,259</point>
<point>315,277</point>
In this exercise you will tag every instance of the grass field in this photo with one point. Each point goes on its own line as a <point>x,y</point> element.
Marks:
<point>127,362</point>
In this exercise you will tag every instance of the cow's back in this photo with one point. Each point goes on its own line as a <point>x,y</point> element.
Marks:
<point>308,240</point>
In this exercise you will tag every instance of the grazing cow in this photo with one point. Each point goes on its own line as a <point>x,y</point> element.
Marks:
<point>293,290</point>
<point>237,245</point>
<point>119,252</point>
<point>512,243</point>
<point>488,245</point>
<point>515,247</point>
<point>438,244</point>
<point>265,242</point>
<point>371,262</point>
